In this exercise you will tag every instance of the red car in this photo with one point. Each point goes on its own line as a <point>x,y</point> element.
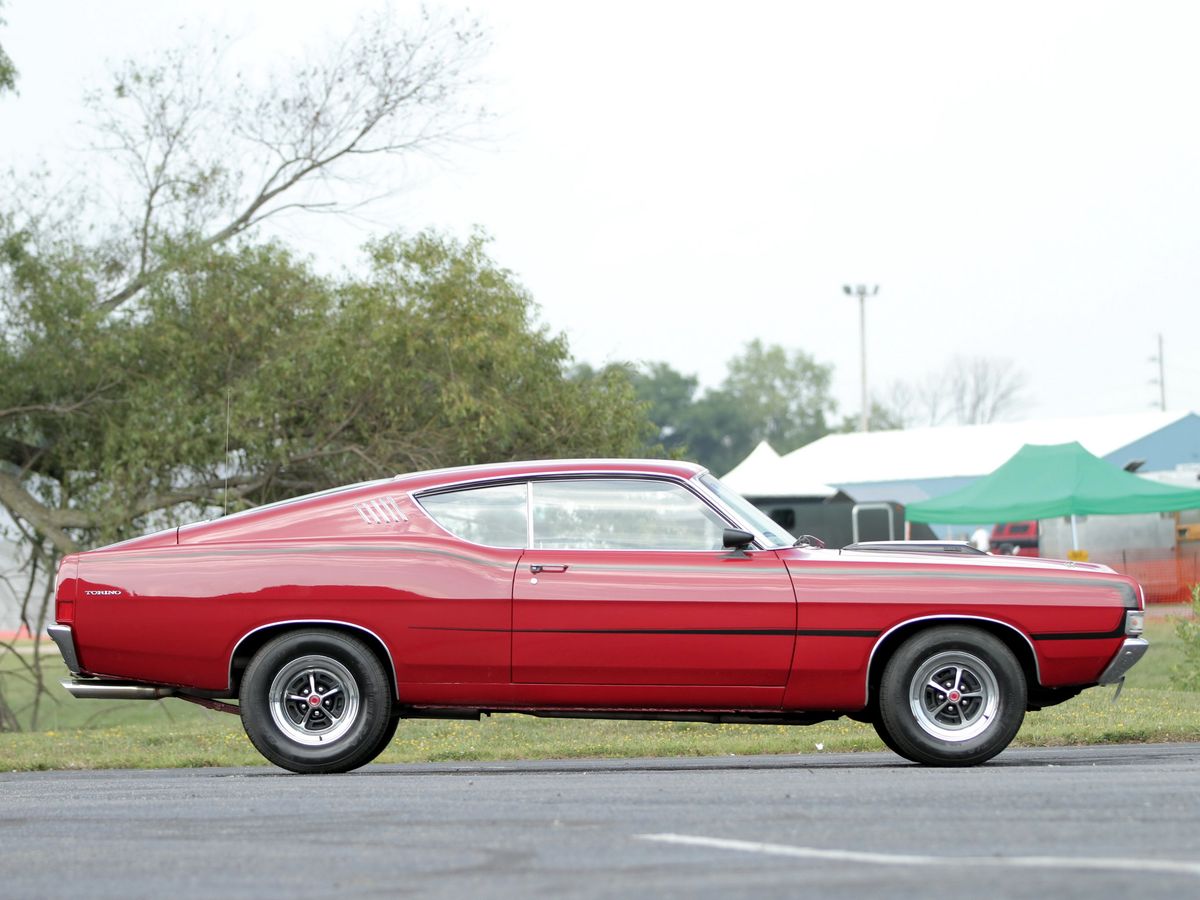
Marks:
<point>617,589</point>
<point>1015,538</point>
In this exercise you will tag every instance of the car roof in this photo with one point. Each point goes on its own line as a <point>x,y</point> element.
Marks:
<point>419,481</point>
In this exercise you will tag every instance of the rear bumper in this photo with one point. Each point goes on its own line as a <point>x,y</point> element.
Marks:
<point>99,688</point>
<point>65,639</point>
<point>1131,651</point>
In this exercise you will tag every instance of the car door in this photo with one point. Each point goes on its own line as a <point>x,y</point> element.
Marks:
<point>626,582</point>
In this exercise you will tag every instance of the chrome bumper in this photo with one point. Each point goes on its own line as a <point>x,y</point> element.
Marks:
<point>63,636</point>
<point>99,688</point>
<point>1131,651</point>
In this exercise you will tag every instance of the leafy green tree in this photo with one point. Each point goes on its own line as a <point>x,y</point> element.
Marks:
<point>8,72</point>
<point>1186,675</point>
<point>244,377</point>
<point>669,396</point>
<point>192,160</point>
<point>883,418</point>
<point>160,361</point>
<point>768,394</point>
<point>719,431</point>
<point>786,394</point>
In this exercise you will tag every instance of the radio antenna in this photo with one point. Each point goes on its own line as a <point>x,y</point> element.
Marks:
<point>228,402</point>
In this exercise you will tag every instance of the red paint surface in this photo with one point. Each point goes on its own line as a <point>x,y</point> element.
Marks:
<point>466,625</point>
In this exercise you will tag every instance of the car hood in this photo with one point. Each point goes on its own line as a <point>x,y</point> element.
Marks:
<point>957,560</point>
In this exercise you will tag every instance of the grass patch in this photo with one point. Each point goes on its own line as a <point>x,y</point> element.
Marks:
<point>96,734</point>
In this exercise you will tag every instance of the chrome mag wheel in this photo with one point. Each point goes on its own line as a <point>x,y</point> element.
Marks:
<point>314,700</point>
<point>951,695</point>
<point>954,696</point>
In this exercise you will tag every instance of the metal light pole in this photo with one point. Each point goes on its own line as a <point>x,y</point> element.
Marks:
<point>862,292</point>
<point>1161,380</point>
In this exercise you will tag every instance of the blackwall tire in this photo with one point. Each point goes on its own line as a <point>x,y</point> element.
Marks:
<point>952,696</point>
<point>386,738</point>
<point>886,736</point>
<point>317,701</point>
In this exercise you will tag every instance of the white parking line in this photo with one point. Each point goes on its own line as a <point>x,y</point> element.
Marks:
<point>1111,864</point>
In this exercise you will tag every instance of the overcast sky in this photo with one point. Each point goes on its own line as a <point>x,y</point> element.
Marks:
<point>673,179</point>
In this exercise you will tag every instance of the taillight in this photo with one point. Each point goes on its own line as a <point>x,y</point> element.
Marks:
<point>66,588</point>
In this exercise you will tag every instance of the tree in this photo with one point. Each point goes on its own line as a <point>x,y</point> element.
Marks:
<point>982,389</point>
<point>967,391</point>
<point>883,418</point>
<point>246,376</point>
<point>192,156</point>
<point>8,71</point>
<point>768,394</point>
<point>159,361</point>
<point>669,396</point>
<point>196,167</point>
<point>785,394</point>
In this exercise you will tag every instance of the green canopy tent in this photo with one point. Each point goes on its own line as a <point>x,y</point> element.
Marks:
<point>1046,481</point>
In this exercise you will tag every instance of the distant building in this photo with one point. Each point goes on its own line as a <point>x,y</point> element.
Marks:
<point>804,506</point>
<point>1161,550</point>
<point>920,463</point>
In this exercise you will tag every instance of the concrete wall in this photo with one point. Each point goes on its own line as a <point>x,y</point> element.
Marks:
<point>13,583</point>
<point>1108,535</point>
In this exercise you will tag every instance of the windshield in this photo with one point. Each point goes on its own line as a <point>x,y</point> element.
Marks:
<point>760,523</point>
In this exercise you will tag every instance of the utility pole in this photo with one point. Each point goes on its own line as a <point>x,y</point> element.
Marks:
<point>862,292</point>
<point>1161,380</point>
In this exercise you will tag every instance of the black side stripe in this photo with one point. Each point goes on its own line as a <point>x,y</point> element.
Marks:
<point>837,632</point>
<point>1117,632</point>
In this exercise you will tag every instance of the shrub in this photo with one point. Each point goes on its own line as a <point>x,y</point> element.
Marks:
<point>1186,675</point>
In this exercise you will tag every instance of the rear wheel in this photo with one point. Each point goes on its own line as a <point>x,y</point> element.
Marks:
<point>317,701</point>
<point>886,737</point>
<point>951,696</point>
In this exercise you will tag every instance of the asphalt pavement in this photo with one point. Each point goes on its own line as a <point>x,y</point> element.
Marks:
<point>1087,822</point>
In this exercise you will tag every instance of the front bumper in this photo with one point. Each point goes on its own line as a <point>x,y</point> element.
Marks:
<point>1131,651</point>
<point>65,638</point>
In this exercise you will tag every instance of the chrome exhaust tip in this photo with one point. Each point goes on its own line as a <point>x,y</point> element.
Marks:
<point>97,689</point>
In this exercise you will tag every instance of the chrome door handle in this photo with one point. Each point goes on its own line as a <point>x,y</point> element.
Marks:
<point>537,569</point>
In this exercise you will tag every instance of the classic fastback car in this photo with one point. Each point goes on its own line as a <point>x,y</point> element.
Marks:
<point>618,588</point>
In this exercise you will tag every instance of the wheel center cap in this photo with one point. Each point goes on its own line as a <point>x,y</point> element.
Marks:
<point>955,696</point>
<point>314,700</point>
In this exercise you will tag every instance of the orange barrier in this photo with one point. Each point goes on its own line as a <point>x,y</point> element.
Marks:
<point>1166,575</point>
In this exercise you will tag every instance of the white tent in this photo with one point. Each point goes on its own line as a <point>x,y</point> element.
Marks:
<point>764,473</point>
<point>962,450</point>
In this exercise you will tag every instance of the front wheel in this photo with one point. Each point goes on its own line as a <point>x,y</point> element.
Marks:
<point>317,701</point>
<point>952,696</point>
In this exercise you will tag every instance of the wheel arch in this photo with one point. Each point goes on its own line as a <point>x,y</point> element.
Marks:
<point>1012,637</point>
<point>254,640</point>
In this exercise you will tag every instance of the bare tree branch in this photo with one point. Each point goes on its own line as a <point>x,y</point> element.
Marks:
<point>22,504</point>
<point>383,92</point>
<point>968,391</point>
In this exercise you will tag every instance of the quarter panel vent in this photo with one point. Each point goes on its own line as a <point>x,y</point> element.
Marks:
<point>380,511</point>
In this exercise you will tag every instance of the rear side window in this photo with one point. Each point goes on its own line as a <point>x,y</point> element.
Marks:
<point>494,516</point>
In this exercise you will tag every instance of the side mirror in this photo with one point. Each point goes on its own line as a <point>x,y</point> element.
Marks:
<point>737,540</point>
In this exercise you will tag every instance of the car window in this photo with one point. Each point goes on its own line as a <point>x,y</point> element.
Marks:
<point>775,534</point>
<point>622,514</point>
<point>495,516</point>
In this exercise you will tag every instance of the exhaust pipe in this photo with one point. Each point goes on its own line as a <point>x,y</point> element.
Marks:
<point>96,689</point>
